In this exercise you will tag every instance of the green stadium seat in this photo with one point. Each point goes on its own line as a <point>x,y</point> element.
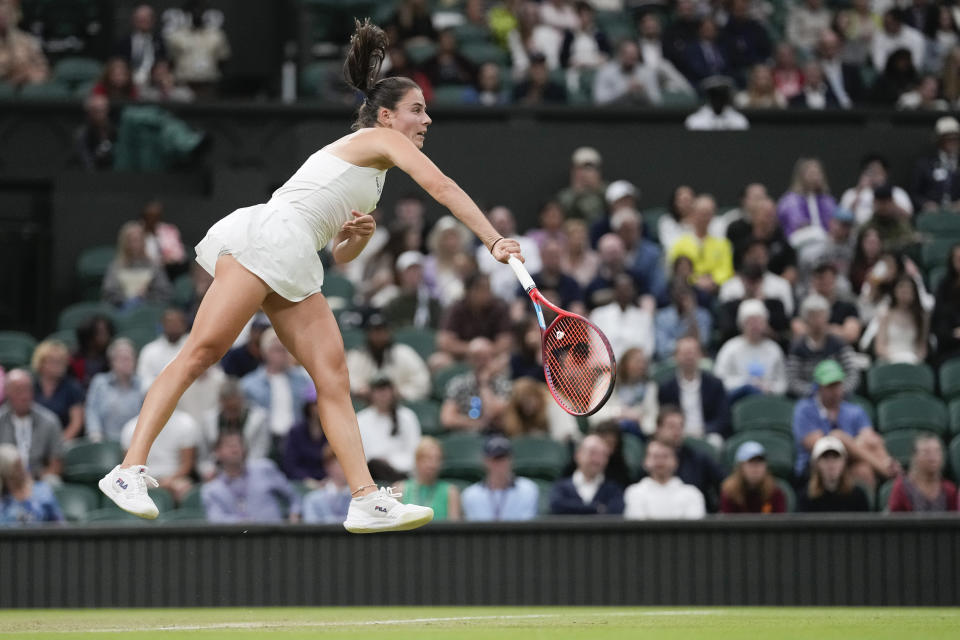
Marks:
<point>900,443</point>
<point>617,25</point>
<point>353,338</point>
<point>953,409</point>
<point>885,380</point>
<point>772,413</point>
<point>92,265</point>
<point>7,91</point>
<point>139,336</point>
<point>463,456</point>
<point>953,456</point>
<point>651,221</point>
<point>73,71</point>
<point>912,411</point>
<point>950,379</point>
<point>48,91</point>
<point>935,251</point>
<point>16,349</point>
<point>442,377</point>
<point>543,495</point>
<point>470,33</point>
<point>788,493</point>
<point>183,515</point>
<point>781,452</point>
<point>87,462</point>
<point>146,316</point>
<point>183,290</point>
<point>459,483</point>
<point>539,457</point>
<point>66,336</point>
<point>866,405</point>
<point>480,52</point>
<point>679,100</point>
<point>935,276</point>
<point>192,499</point>
<point>451,94</point>
<point>115,515</point>
<point>162,498</point>
<point>420,52</point>
<point>703,447</point>
<point>883,495</point>
<point>634,451</point>
<point>428,413</point>
<point>358,404</point>
<point>76,314</point>
<point>76,501</point>
<point>942,225</point>
<point>423,341</point>
<point>338,290</point>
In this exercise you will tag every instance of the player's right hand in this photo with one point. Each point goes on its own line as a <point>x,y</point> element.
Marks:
<point>505,248</point>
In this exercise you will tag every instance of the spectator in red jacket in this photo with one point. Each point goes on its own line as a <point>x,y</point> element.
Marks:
<point>751,487</point>
<point>924,488</point>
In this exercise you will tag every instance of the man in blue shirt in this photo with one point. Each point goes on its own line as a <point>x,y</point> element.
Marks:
<point>826,413</point>
<point>501,495</point>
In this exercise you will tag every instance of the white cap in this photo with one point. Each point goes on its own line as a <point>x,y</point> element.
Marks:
<point>827,443</point>
<point>814,302</point>
<point>586,155</point>
<point>750,308</point>
<point>947,126</point>
<point>620,189</point>
<point>408,259</point>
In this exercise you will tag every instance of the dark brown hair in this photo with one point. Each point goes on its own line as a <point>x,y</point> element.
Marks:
<point>368,45</point>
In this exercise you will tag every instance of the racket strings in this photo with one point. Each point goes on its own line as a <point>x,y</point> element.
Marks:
<point>579,365</point>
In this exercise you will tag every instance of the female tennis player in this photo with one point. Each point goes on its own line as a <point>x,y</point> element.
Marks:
<point>265,256</point>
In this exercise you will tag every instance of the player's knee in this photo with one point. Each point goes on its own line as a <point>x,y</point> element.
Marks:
<point>332,379</point>
<point>200,358</point>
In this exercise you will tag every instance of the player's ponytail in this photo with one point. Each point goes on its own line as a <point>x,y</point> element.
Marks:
<point>368,46</point>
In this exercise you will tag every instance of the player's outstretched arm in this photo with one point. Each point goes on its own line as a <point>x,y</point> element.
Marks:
<point>405,155</point>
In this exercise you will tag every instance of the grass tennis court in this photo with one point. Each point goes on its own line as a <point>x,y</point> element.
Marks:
<point>502,623</point>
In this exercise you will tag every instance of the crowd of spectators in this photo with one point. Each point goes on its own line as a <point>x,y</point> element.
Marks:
<point>706,307</point>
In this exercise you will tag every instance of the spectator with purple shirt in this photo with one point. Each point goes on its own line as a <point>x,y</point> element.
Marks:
<point>806,208</point>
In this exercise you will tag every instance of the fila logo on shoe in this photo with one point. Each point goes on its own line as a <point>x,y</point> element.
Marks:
<point>123,485</point>
<point>379,508</point>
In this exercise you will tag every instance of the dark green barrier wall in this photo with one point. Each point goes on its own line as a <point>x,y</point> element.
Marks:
<point>870,560</point>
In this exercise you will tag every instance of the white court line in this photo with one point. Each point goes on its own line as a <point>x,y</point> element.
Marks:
<point>361,623</point>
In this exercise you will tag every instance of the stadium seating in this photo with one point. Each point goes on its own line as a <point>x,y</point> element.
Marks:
<point>183,515</point>
<point>900,443</point>
<point>92,265</point>
<point>143,316</point>
<point>885,380</point>
<point>182,290</point>
<point>115,516</point>
<point>49,91</point>
<point>76,314</point>
<point>912,411</point>
<point>539,457</point>
<point>543,495</point>
<point>75,71</point>
<point>353,338</point>
<point>935,277</point>
<point>338,290</point>
<point>76,501</point>
<point>66,336</point>
<point>950,379</point>
<point>450,94</point>
<point>423,341</point>
<point>936,251</point>
<point>866,405</point>
<point>883,495</point>
<point>480,52</point>
<point>651,222</point>
<point>192,500</point>
<point>139,336</point>
<point>428,413</point>
<point>87,462</point>
<point>463,456</point>
<point>954,410</point>
<point>943,225</point>
<point>442,377</point>
<point>790,496</point>
<point>953,456</point>
<point>633,454</point>
<point>703,447</point>
<point>779,445</point>
<point>772,413</point>
<point>16,348</point>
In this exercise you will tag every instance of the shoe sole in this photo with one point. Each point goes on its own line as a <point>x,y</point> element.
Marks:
<point>112,499</point>
<point>402,526</point>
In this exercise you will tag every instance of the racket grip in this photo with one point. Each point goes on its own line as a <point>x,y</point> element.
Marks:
<point>522,274</point>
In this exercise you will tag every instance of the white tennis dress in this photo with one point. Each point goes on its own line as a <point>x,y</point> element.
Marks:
<point>278,241</point>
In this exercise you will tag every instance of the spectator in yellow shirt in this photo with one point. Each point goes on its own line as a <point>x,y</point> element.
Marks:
<point>712,256</point>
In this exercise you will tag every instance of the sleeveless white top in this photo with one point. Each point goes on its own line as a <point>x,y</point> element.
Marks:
<point>278,241</point>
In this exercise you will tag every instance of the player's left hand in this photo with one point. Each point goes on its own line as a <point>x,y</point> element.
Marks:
<point>505,248</point>
<point>362,226</point>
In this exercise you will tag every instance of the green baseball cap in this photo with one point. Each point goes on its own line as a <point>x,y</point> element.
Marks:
<point>828,372</point>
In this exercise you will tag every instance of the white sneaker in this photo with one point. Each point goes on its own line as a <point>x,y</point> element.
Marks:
<point>380,511</point>
<point>128,489</point>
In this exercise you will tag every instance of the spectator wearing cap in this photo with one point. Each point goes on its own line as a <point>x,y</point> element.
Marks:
<point>751,488</point>
<point>751,276</point>
<point>683,317</point>
<point>699,393</point>
<point>625,323</point>
<point>389,430</point>
<point>244,358</point>
<point>815,346</point>
<point>924,489</point>
<point>247,490</point>
<point>891,221</point>
<point>478,315</point>
<point>584,197</point>
<point>626,80</point>
<point>826,413</point>
<point>537,87</point>
<point>751,362</point>
<point>413,305</point>
<point>588,491</point>
<point>424,487</point>
<point>832,484</point>
<point>235,414</point>
<point>874,172</point>
<point>381,357</point>
<point>501,495</point>
<point>896,35</point>
<point>712,256</point>
<point>936,184</point>
<point>662,495</point>
<point>277,386</point>
<point>620,194</point>
<point>502,280</point>
<point>718,113</point>
<point>694,467</point>
<point>31,428</point>
<point>476,400</point>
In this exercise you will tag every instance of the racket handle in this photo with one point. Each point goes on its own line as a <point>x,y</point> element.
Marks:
<point>525,280</point>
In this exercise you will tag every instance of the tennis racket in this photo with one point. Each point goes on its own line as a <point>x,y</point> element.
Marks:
<point>577,359</point>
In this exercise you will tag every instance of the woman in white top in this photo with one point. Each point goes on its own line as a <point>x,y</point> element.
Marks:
<point>903,325</point>
<point>265,256</point>
<point>390,431</point>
